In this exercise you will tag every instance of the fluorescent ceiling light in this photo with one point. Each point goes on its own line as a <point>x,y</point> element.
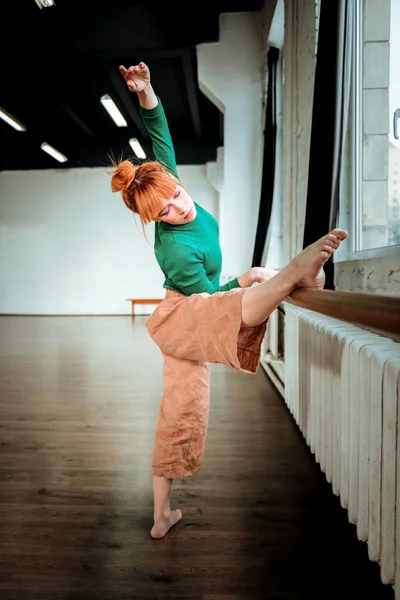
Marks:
<point>137,148</point>
<point>11,120</point>
<point>53,152</point>
<point>113,111</point>
<point>44,3</point>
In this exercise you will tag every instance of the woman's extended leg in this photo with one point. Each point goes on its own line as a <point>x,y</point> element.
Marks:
<point>260,301</point>
<point>180,435</point>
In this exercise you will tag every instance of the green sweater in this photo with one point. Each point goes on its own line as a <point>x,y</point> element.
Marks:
<point>189,255</point>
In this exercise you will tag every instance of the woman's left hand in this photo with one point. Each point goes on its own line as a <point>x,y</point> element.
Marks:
<point>256,275</point>
<point>261,274</point>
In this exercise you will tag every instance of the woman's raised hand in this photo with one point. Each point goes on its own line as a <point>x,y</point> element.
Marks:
<point>137,77</point>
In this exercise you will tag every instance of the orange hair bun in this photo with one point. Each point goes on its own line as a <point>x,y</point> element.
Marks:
<point>123,176</point>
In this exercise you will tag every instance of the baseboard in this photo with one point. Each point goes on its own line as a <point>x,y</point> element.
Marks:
<point>268,368</point>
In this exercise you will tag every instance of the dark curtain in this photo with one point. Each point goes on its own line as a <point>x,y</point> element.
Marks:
<point>267,184</point>
<point>319,192</point>
<point>347,16</point>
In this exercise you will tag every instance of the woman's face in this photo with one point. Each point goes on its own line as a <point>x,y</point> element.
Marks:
<point>179,209</point>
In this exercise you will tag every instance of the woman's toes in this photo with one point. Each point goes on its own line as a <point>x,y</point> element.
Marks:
<point>341,234</point>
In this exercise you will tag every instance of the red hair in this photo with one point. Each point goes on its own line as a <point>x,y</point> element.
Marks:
<point>144,187</point>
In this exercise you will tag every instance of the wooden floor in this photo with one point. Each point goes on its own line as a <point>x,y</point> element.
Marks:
<point>78,405</point>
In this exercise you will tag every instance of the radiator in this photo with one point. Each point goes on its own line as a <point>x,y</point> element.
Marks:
<point>342,387</point>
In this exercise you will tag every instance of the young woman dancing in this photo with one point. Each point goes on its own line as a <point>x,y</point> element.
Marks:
<point>198,322</point>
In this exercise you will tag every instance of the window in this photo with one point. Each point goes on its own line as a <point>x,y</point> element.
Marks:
<point>376,151</point>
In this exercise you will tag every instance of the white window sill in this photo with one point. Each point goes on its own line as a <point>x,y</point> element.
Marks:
<point>367,254</point>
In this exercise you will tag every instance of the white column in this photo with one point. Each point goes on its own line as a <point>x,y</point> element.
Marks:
<point>231,75</point>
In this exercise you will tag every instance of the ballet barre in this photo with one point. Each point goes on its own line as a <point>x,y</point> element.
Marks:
<point>377,311</point>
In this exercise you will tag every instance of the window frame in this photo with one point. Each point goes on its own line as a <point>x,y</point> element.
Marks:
<point>351,213</point>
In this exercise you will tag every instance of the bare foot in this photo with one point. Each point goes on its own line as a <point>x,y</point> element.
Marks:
<point>162,526</point>
<point>309,263</point>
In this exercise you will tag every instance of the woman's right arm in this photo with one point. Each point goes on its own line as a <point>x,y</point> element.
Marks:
<point>147,97</point>
<point>157,126</point>
<point>152,113</point>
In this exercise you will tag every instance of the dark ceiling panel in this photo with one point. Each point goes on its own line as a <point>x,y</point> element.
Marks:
<point>59,61</point>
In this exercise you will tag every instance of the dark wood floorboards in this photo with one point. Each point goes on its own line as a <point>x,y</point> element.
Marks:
<point>78,405</point>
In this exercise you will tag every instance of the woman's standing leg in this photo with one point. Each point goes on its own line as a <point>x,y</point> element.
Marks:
<point>180,434</point>
<point>164,517</point>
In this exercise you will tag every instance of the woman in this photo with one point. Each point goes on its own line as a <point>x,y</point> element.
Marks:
<point>199,322</point>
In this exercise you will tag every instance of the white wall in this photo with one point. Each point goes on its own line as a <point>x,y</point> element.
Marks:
<point>378,275</point>
<point>201,187</point>
<point>68,245</point>
<point>231,74</point>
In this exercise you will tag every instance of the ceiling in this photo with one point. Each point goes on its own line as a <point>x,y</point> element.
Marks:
<point>57,62</point>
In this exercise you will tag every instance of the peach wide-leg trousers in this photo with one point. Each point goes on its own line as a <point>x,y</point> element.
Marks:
<point>192,332</point>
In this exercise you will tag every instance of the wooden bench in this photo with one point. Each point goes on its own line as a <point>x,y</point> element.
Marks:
<point>142,301</point>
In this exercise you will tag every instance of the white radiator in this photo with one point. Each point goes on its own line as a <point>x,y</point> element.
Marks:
<point>342,386</point>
